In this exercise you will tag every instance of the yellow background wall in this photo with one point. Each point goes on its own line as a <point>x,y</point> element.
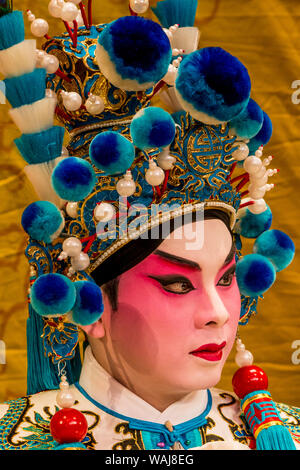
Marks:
<point>265,36</point>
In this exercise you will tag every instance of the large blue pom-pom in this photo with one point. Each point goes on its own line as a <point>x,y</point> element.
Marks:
<point>52,295</point>
<point>88,306</point>
<point>263,136</point>
<point>12,29</point>
<point>212,85</point>
<point>43,221</point>
<point>255,274</point>
<point>112,153</point>
<point>251,225</point>
<point>249,122</point>
<point>133,53</point>
<point>277,246</point>
<point>152,127</point>
<point>73,179</point>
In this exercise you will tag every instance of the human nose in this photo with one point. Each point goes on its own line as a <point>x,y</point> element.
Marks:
<point>211,310</point>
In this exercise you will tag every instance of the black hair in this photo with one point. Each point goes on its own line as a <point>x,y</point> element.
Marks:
<point>107,275</point>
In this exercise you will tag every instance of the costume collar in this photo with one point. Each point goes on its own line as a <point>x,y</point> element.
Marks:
<point>109,394</point>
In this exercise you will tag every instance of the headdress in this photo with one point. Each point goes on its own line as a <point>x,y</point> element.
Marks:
<point>129,167</point>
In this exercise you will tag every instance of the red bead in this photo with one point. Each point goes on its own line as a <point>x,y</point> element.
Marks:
<point>249,379</point>
<point>68,425</point>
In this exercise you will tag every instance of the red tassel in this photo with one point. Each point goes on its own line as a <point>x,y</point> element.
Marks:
<point>242,183</point>
<point>231,171</point>
<point>90,12</point>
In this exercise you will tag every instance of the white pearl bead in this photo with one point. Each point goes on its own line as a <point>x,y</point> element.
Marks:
<point>139,6</point>
<point>104,212</point>
<point>258,153</point>
<point>71,209</point>
<point>50,63</point>
<point>166,161</point>
<point>72,101</point>
<point>242,152</point>
<point>252,164</point>
<point>126,186</point>
<point>171,75</point>
<point>72,246</point>
<point>65,399</point>
<point>259,182</point>
<point>244,358</point>
<point>258,207</point>
<point>154,175</point>
<point>256,193</point>
<point>55,8</point>
<point>39,27</point>
<point>94,104</point>
<point>40,54</point>
<point>63,255</point>
<point>260,173</point>
<point>79,20</point>
<point>30,16</point>
<point>69,12</point>
<point>80,262</point>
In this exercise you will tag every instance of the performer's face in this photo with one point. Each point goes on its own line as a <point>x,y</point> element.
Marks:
<point>168,308</point>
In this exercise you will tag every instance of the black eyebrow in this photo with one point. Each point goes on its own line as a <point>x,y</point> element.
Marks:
<point>187,262</point>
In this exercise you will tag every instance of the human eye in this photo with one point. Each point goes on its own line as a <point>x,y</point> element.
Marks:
<point>227,278</point>
<point>175,284</point>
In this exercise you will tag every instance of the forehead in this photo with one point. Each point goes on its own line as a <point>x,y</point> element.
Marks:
<point>202,241</point>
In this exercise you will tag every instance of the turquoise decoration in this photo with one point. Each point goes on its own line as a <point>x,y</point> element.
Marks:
<point>152,127</point>
<point>71,446</point>
<point>50,140</point>
<point>73,179</point>
<point>170,12</point>
<point>277,246</point>
<point>26,89</point>
<point>12,30</point>
<point>112,153</point>
<point>249,122</point>
<point>263,136</point>
<point>43,356</point>
<point>255,274</point>
<point>88,306</point>
<point>251,225</point>
<point>43,221</point>
<point>52,295</point>
<point>265,423</point>
<point>133,53</point>
<point>212,85</point>
<point>6,6</point>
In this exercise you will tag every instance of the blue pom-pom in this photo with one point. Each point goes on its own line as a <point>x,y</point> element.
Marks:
<point>251,225</point>
<point>152,127</point>
<point>249,122</point>
<point>277,246</point>
<point>73,179</point>
<point>50,140</point>
<point>88,306</point>
<point>26,89</point>
<point>212,85</point>
<point>112,153</point>
<point>170,12</point>
<point>43,221</point>
<point>52,294</point>
<point>133,53</point>
<point>12,29</point>
<point>255,274</point>
<point>263,136</point>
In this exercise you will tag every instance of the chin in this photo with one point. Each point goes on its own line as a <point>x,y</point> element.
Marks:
<point>206,377</point>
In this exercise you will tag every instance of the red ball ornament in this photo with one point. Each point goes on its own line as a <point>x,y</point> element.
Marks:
<point>68,425</point>
<point>249,379</point>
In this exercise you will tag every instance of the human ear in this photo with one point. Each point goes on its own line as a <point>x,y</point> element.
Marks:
<point>96,330</point>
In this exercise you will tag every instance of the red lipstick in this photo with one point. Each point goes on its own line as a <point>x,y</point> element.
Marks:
<point>210,352</point>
